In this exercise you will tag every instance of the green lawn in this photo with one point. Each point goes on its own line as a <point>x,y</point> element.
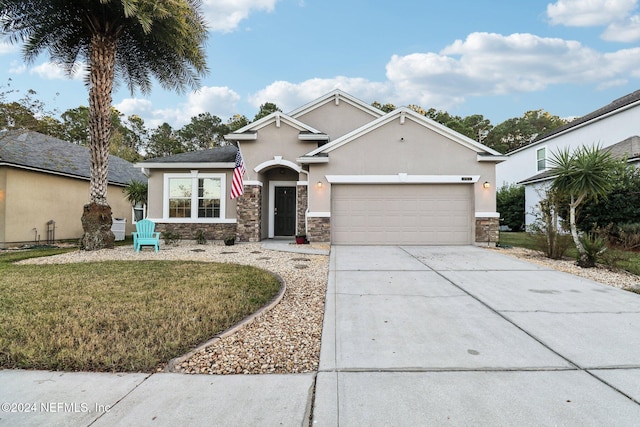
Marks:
<point>625,260</point>
<point>119,316</point>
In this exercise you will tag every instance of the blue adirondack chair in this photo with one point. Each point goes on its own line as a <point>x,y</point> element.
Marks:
<point>146,235</point>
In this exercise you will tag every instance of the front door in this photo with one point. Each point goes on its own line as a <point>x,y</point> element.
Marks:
<point>284,215</point>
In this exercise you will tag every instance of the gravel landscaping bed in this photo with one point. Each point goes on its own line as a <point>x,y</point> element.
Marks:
<point>601,274</point>
<point>285,339</point>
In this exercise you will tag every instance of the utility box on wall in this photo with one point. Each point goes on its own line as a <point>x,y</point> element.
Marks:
<point>118,227</point>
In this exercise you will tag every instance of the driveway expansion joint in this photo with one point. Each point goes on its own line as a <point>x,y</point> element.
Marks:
<point>568,312</point>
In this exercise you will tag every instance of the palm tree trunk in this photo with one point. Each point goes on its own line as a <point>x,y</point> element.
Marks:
<point>582,252</point>
<point>96,219</point>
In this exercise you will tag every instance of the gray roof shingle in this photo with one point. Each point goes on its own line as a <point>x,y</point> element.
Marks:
<point>223,154</point>
<point>629,148</point>
<point>613,106</point>
<point>48,154</point>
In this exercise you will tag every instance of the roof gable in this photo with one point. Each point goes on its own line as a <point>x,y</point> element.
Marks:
<point>403,114</point>
<point>336,96</point>
<point>43,153</point>
<point>278,118</point>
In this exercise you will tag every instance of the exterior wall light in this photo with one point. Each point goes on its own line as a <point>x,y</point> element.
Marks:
<point>486,184</point>
<point>319,184</point>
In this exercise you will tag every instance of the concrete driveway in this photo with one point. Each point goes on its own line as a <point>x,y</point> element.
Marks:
<point>462,335</point>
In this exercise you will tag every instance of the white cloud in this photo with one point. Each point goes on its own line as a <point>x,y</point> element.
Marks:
<point>483,64</point>
<point>588,13</point>
<point>623,31</point>
<point>288,96</point>
<point>6,48</point>
<point>16,67</point>
<point>612,83</point>
<point>493,64</point>
<point>616,15</point>
<point>225,15</point>
<point>219,101</point>
<point>140,107</point>
<point>52,71</point>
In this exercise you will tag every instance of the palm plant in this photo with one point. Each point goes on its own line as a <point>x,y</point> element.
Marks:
<point>136,193</point>
<point>132,40</point>
<point>581,175</point>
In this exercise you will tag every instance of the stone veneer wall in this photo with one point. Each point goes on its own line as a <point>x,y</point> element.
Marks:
<point>249,214</point>
<point>487,231</point>
<point>188,231</point>
<point>319,229</point>
<point>302,209</point>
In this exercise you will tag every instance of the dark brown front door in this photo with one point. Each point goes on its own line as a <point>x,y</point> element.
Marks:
<point>285,211</point>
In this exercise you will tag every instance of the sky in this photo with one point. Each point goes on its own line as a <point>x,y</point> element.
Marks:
<point>498,58</point>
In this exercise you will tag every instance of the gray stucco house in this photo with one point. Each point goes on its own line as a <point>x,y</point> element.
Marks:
<point>339,171</point>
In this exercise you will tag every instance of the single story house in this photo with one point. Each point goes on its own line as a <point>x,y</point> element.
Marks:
<point>615,123</point>
<point>44,184</point>
<point>337,170</point>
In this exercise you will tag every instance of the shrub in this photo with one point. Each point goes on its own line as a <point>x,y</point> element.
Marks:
<point>628,236</point>
<point>510,204</point>
<point>200,237</point>
<point>619,207</point>
<point>594,246</point>
<point>171,238</point>
<point>553,245</point>
<point>545,231</point>
<point>614,259</point>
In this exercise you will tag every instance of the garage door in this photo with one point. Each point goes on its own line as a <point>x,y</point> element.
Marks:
<point>426,214</point>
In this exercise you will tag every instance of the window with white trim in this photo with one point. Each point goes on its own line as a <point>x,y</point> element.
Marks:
<point>541,158</point>
<point>194,197</point>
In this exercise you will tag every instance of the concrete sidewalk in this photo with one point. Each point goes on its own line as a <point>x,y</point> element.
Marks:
<point>412,336</point>
<point>41,398</point>
<point>462,335</point>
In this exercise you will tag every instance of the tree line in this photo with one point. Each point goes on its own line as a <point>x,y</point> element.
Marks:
<point>132,140</point>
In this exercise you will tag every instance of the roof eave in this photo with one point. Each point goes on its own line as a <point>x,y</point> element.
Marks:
<point>492,158</point>
<point>241,136</point>
<point>186,165</point>
<point>312,159</point>
<point>551,135</point>
<point>536,180</point>
<point>58,173</point>
<point>313,137</point>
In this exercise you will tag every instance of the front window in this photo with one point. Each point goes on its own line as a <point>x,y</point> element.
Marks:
<point>209,198</point>
<point>196,196</point>
<point>542,159</point>
<point>180,192</point>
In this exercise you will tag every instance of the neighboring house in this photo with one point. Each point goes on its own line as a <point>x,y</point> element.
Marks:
<point>339,171</point>
<point>536,186</point>
<point>615,123</point>
<point>44,182</point>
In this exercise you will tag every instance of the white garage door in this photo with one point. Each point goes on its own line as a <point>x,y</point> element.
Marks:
<point>426,214</point>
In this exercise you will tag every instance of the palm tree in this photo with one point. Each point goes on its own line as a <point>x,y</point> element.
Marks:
<point>132,40</point>
<point>581,175</point>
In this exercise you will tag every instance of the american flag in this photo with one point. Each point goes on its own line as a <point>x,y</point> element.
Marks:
<point>237,183</point>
